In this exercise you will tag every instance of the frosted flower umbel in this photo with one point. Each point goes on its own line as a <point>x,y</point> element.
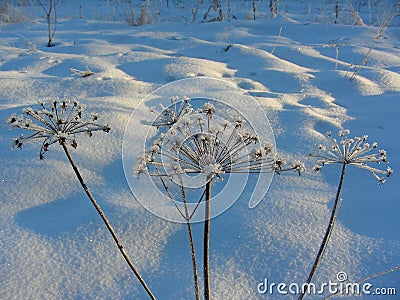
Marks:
<point>353,151</point>
<point>196,144</point>
<point>56,121</point>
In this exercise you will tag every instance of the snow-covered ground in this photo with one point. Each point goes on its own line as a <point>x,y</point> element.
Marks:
<point>297,66</point>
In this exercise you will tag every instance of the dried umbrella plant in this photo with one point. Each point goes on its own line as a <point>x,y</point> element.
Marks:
<point>59,122</point>
<point>348,151</point>
<point>197,144</point>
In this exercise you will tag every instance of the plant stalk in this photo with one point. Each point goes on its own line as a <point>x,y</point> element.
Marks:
<point>191,242</point>
<point>328,233</point>
<point>382,30</point>
<point>194,264</point>
<point>206,260</point>
<point>105,220</point>
<point>48,16</point>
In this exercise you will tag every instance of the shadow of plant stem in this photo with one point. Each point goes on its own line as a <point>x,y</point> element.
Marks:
<point>105,220</point>
<point>347,151</point>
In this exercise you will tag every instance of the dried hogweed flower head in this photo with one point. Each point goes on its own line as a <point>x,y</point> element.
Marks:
<point>352,151</point>
<point>56,121</point>
<point>197,143</point>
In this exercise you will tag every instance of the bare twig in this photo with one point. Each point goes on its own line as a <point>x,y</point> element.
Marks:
<point>279,37</point>
<point>84,73</point>
<point>48,12</point>
<point>381,31</point>
<point>394,269</point>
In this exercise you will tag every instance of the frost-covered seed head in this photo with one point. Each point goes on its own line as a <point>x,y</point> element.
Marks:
<point>355,151</point>
<point>195,142</point>
<point>209,109</point>
<point>56,121</point>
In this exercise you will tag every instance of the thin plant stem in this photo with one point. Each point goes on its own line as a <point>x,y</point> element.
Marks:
<point>194,264</point>
<point>48,18</point>
<point>105,220</point>
<point>328,233</point>
<point>191,242</point>
<point>206,260</point>
<point>394,269</point>
<point>382,30</point>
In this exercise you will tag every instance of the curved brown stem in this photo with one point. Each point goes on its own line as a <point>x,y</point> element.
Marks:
<point>194,264</point>
<point>191,242</point>
<point>105,220</point>
<point>328,233</point>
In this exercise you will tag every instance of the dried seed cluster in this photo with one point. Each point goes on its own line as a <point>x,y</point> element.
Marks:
<point>56,121</point>
<point>352,151</point>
